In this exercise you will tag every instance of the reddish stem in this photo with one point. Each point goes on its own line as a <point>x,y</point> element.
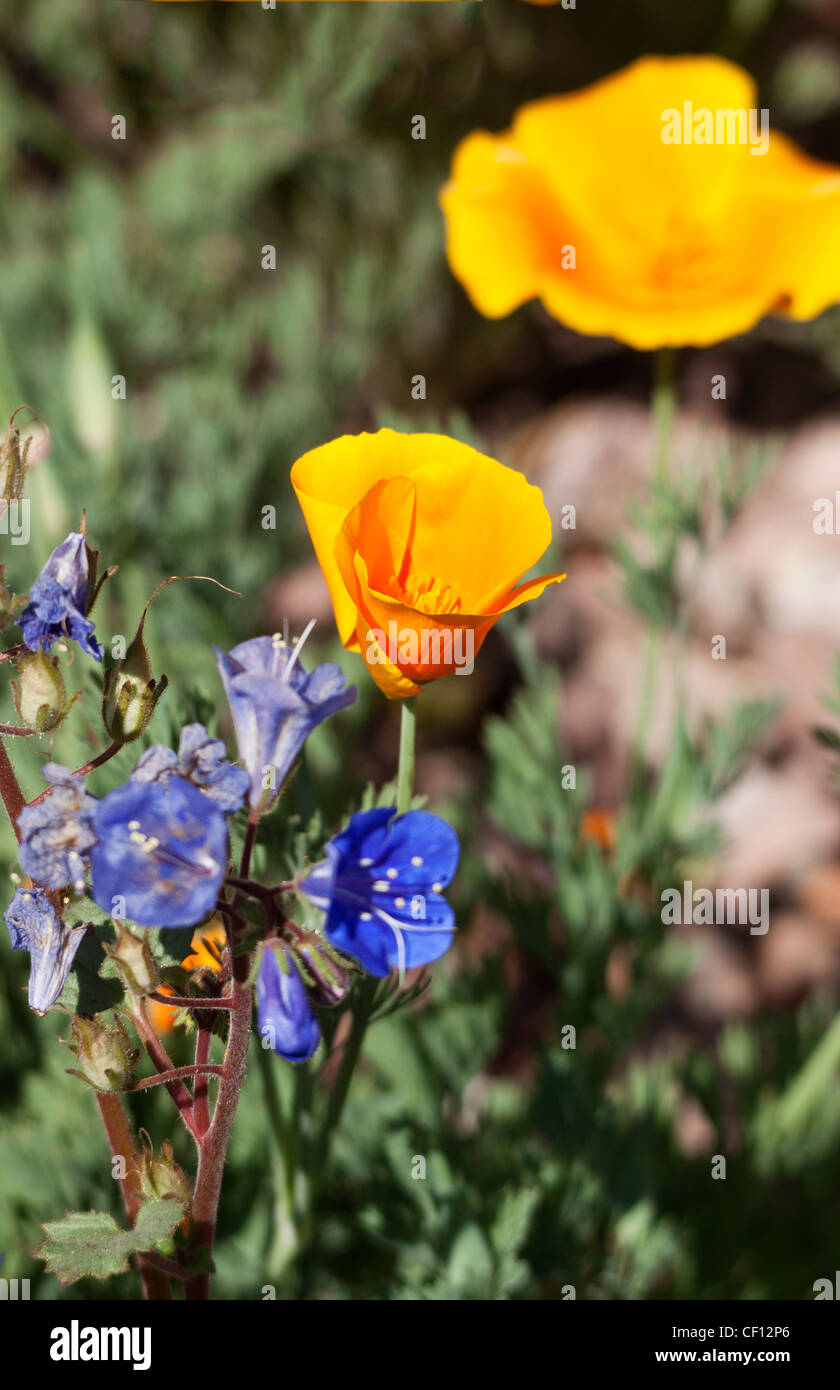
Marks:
<point>174,1075</point>
<point>10,790</point>
<point>213,1150</point>
<point>160,1058</point>
<point>82,771</point>
<point>201,1090</point>
<point>183,1001</point>
<point>121,1143</point>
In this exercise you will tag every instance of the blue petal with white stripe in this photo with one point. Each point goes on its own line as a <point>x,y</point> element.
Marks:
<point>380,886</point>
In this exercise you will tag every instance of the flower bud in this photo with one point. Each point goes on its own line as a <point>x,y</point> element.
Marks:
<point>130,692</point>
<point>331,982</point>
<point>106,1057</point>
<point>134,962</point>
<point>160,1176</point>
<point>39,693</point>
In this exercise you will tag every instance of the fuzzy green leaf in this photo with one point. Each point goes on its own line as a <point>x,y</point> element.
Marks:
<point>91,1244</point>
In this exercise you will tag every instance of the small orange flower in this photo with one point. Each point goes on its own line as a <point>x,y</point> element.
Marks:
<point>161,1016</point>
<point>597,827</point>
<point>655,207</point>
<point>423,542</point>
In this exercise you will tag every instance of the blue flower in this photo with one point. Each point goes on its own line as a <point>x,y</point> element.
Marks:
<point>380,887</point>
<point>58,600</point>
<point>201,760</point>
<point>286,1021</point>
<point>275,705</point>
<point>57,834</point>
<point>35,927</point>
<point>160,855</point>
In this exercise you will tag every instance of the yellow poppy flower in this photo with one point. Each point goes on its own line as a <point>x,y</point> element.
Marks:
<point>423,542</point>
<point>589,204</point>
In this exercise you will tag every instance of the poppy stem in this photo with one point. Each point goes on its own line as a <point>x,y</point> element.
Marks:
<point>664,403</point>
<point>405,767</point>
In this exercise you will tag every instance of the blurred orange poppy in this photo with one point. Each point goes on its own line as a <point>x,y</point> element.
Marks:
<point>655,207</point>
<point>423,542</point>
<point>161,1016</point>
<point>597,827</point>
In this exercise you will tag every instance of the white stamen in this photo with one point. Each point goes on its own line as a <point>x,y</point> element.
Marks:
<point>297,648</point>
<point>416,861</point>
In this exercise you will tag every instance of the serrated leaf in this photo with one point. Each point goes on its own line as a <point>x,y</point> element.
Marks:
<point>90,1243</point>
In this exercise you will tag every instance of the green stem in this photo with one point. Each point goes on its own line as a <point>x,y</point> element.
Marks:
<point>361,1008</point>
<point>664,403</point>
<point>405,768</point>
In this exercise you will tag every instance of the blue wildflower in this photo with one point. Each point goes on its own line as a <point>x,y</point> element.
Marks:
<point>58,600</point>
<point>35,927</point>
<point>57,834</point>
<point>286,1021</point>
<point>202,761</point>
<point>275,705</point>
<point>160,855</point>
<point>380,887</point>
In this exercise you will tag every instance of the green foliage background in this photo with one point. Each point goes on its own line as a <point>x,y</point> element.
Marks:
<point>142,257</point>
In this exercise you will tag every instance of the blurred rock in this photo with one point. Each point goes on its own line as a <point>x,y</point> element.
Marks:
<point>297,595</point>
<point>796,955</point>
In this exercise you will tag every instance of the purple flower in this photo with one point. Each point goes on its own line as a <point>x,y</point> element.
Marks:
<point>275,705</point>
<point>160,855</point>
<point>58,600</point>
<point>202,761</point>
<point>35,927</point>
<point>57,834</point>
<point>380,887</point>
<point>286,1021</point>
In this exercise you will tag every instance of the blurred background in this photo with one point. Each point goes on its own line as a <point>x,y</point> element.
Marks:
<point>549,1168</point>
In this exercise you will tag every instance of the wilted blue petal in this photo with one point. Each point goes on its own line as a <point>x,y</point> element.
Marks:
<point>57,834</point>
<point>201,760</point>
<point>35,927</point>
<point>58,600</point>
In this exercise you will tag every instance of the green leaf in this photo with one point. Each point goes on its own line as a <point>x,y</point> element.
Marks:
<point>91,1244</point>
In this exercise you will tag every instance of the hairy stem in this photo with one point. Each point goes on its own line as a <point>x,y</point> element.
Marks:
<point>201,1090</point>
<point>175,1074</point>
<point>122,1145</point>
<point>162,1062</point>
<point>10,790</point>
<point>213,1149</point>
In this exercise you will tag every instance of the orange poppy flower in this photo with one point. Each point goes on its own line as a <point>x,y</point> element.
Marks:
<point>423,542</point>
<point>161,1016</point>
<point>655,207</point>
